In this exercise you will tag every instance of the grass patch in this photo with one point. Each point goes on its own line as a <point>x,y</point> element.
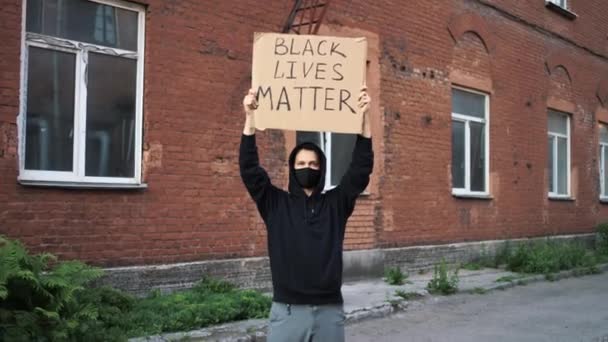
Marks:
<point>507,279</point>
<point>550,277</point>
<point>549,256</point>
<point>442,283</point>
<point>586,271</point>
<point>479,290</point>
<point>503,255</point>
<point>408,295</point>
<point>471,266</point>
<point>394,276</point>
<point>490,260</point>
<point>209,302</point>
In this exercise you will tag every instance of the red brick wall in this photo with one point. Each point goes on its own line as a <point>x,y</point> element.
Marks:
<point>421,56</point>
<point>197,68</point>
<point>588,30</point>
<point>10,26</point>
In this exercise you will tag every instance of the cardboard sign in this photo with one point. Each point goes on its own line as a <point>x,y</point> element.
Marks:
<point>308,83</point>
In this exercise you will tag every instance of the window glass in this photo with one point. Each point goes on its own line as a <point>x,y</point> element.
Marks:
<point>558,123</point>
<point>458,154</point>
<point>50,110</point>
<point>84,21</point>
<point>342,146</point>
<point>550,161</point>
<point>313,137</point>
<point>477,156</point>
<point>562,166</point>
<point>467,103</point>
<point>110,116</point>
<point>604,134</point>
<point>605,175</point>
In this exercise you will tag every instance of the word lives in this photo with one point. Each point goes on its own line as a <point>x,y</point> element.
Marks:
<point>307,76</point>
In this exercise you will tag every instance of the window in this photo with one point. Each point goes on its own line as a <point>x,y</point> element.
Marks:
<point>470,142</point>
<point>338,149</point>
<point>603,161</point>
<point>561,7</point>
<point>558,148</point>
<point>560,3</point>
<point>81,119</point>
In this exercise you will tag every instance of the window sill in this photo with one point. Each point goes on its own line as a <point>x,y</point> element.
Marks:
<point>473,196</point>
<point>562,11</point>
<point>77,185</point>
<point>604,200</point>
<point>562,198</point>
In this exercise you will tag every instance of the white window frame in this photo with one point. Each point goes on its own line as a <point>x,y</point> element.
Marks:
<point>559,3</point>
<point>325,145</point>
<point>603,195</point>
<point>552,193</point>
<point>77,175</point>
<point>327,150</point>
<point>466,119</point>
<point>603,147</point>
<point>325,139</point>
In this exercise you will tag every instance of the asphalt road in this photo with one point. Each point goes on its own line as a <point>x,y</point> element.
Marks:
<point>569,310</point>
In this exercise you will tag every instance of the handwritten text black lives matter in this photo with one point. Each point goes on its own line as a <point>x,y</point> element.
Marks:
<point>297,97</point>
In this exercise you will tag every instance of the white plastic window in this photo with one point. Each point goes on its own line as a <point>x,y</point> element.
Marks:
<point>558,154</point>
<point>81,114</point>
<point>338,149</point>
<point>470,142</point>
<point>603,161</point>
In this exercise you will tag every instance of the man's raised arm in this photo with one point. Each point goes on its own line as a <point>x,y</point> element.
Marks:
<point>254,176</point>
<point>356,178</point>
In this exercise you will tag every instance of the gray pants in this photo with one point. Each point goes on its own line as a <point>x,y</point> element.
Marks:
<point>305,323</point>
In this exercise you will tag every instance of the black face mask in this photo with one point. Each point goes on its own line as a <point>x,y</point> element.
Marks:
<point>308,178</point>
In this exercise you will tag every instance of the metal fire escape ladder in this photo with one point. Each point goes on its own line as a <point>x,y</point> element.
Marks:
<point>306,16</point>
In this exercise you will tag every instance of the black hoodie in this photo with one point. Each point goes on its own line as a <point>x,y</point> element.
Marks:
<point>306,234</point>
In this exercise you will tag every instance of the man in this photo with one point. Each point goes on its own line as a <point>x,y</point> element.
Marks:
<point>306,231</point>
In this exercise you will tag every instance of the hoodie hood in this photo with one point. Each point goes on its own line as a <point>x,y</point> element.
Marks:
<point>294,186</point>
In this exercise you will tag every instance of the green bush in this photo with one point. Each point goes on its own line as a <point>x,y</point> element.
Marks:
<point>40,297</point>
<point>441,282</point>
<point>394,276</point>
<point>45,300</point>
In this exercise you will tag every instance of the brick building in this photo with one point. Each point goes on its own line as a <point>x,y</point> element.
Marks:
<point>120,124</point>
